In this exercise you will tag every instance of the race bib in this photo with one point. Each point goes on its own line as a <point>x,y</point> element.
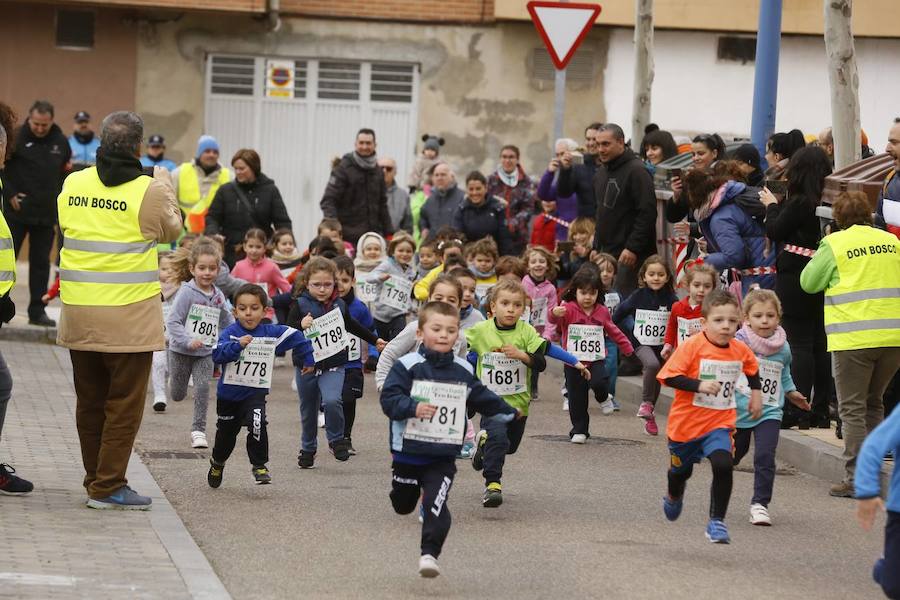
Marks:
<point>770,380</point>
<point>448,424</point>
<point>327,335</point>
<point>395,293</point>
<point>726,373</point>
<point>203,324</point>
<point>687,328</point>
<point>586,342</point>
<point>538,316</point>
<point>502,375</point>
<point>254,367</point>
<point>482,289</point>
<point>650,326</point>
<point>611,300</point>
<point>353,348</point>
<point>366,292</point>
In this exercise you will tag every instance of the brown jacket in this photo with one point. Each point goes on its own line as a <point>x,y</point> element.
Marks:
<point>134,327</point>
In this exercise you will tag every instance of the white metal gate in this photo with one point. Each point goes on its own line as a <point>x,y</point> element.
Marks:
<point>300,113</point>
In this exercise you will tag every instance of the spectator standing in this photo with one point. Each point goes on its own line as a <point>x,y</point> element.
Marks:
<point>446,198</point>
<point>548,190</point>
<point>108,277</point>
<point>889,199</point>
<point>32,180</point>
<point>510,184</point>
<point>250,201</point>
<point>480,216</point>
<point>397,197</point>
<point>197,182</point>
<point>156,154</point>
<point>356,194</point>
<point>83,142</point>
<point>657,146</point>
<point>779,150</point>
<point>578,179</point>
<point>858,267</point>
<point>747,158</point>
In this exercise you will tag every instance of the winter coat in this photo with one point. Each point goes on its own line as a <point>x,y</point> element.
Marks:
<point>579,180</point>
<point>440,209</point>
<point>890,195</point>
<point>165,163</point>
<point>188,295</point>
<point>380,311</point>
<point>521,206</point>
<point>37,169</point>
<point>84,154</point>
<point>484,220</point>
<point>357,197</point>
<point>575,315</point>
<point>305,304</point>
<point>566,206</point>
<point>398,207</point>
<point>794,222</point>
<point>228,214</point>
<point>544,289</point>
<point>735,240</point>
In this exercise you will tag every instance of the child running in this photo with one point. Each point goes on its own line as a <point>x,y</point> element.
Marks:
<point>482,258</point>
<point>426,396</point>
<point>393,278</point>
<point>508,350</point>
<point>247,349</point>
<point>160,369</point>
<point>197,316</point>
<point>684,320</point>
<point>768,341</point>
<point>649,307</point>
<point>540,285</point>
<point>704,371</point>
<point>326,323</point>
<point>285,253</point>
<point>585,324</point>
<point>259,268</point>
<point>428,258</point>
<point>609,268</point>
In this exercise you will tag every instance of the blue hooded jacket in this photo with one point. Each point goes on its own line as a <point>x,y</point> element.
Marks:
<point>735,240</point>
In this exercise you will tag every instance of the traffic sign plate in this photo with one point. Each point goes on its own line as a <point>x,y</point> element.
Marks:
<point>562,26</point>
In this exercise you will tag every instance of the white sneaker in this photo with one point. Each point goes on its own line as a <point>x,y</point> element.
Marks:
<point>607,407</point>
<point>428,566</point>
<point>191,381</point>
<point>321,419</point>
<point>198,440</point>
<point>579,438</point>
<point>566,405</point>
<point>159,404</point>
<point>759,515</point>
<point>293,384</point>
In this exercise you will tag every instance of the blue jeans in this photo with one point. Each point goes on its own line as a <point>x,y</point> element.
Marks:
<point>612,364</point>
<point>320,388</point>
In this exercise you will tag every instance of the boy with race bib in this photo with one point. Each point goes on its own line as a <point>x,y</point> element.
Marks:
<point>704,371</point>
<point>426,396</point>
<point>247,349</point>
<point>393,279</point>
<point>319,366</point>
<point>649,306</point>
<point>684,320</point>
<point>761,332</point>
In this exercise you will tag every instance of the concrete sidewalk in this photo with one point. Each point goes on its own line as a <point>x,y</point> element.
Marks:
<point>55,547</point>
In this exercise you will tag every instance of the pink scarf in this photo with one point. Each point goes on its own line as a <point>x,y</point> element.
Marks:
<point>709,207</point>
<point>760,345</point>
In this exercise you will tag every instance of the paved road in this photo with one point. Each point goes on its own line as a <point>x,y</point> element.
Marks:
<point>577,521</point>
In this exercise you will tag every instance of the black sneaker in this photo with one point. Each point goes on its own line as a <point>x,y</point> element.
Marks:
<point>159,406</point>
<point>11,485</point>
<point>350,448</point>
<point>478,455</point>
<point>306,460</point>
<point>42,321</point>
<point>493,496</point>
<point>340,449</point>
<point>214,476</point>
<point>261,475</point>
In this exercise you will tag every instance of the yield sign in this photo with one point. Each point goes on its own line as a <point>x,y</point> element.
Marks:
<point>562,26</point>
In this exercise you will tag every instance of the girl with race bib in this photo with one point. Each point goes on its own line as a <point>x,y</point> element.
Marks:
<point>585,324</point>
<point>609,268</point>
<point>393,278</point>
<point>684,320</point>
<point>160,369</point>
<point>198,313</point>
<point>762,333</point>
<point>319,366</point>
<point>539,282</point>
<point>258,268</point>
<point>649,307</point>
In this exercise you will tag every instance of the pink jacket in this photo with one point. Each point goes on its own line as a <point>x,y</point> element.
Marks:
<point>600,316</point>
<point>263,272</point>
<point>544,289</point>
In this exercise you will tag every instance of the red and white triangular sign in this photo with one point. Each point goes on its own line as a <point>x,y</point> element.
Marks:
<point>562,26</point>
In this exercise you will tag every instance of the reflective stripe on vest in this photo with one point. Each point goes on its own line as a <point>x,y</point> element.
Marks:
<point>862,310</point>
<point>105,260</point>
<point>189,198</point>
<point>7,255</point>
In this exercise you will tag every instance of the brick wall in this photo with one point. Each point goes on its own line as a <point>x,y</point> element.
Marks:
<point>243,6</point>
<point>446,11</point>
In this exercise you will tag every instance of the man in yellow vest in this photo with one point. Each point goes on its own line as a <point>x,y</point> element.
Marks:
<point>112,216</point>
<point>10,484</point>
<point>858,267</point>
<point>196,183</point>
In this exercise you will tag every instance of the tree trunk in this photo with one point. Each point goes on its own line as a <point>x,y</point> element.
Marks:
<point>844,80</point>
<point>643,70</point>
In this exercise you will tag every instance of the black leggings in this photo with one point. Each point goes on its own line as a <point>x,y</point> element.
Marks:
<point>720,493</point>
<point>432,483</point>
<point>352,391</point>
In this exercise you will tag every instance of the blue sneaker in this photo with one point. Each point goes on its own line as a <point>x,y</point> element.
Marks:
<point>467,450</point>
<point>878,570</point>
<point>616,406</point>
<point>716,532</point>
<point>124,498</point>
<point>672,508</point>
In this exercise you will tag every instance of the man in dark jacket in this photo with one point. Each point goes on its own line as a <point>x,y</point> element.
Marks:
<point>32,180</point>
<point>486,218</point>
<point>356,194</point>
<point>579,179</point>
<point>626,206</point>
<point>251,200</point>
<point>446,198</point>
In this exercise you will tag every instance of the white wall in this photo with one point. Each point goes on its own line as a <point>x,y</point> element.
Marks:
<point>695,92</point>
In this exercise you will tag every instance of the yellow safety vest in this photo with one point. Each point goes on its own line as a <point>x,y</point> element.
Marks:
<point>7,257</point>
<point>863,309</point>
<point>105,260</point>
<point>189,198</point>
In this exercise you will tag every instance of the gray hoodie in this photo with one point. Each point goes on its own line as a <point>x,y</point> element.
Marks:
<point>189,294</point>
<point>380,311</point>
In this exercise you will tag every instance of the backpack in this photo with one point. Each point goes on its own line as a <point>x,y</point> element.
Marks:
<point>749,202</point>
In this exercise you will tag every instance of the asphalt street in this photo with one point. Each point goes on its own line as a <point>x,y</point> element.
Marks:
<point>577,521</point>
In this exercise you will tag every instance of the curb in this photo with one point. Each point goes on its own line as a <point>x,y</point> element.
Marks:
<point>28,333</point>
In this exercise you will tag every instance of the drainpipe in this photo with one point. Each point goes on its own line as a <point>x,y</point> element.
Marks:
<point>273,14</point>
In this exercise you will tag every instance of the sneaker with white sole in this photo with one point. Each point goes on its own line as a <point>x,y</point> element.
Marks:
<point>616,406</point>
<point>566,405</point>
<point>717,532</point>
<point>159,404</point>
<point>645,411</point>
<point>293,384</point>
<point>579,438</point>
<point>123,498</point>
<point>607,408</point>
<point>428,566</point>
<point>759,515</point>
<point>321,420</point>
<point>198,440</point>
